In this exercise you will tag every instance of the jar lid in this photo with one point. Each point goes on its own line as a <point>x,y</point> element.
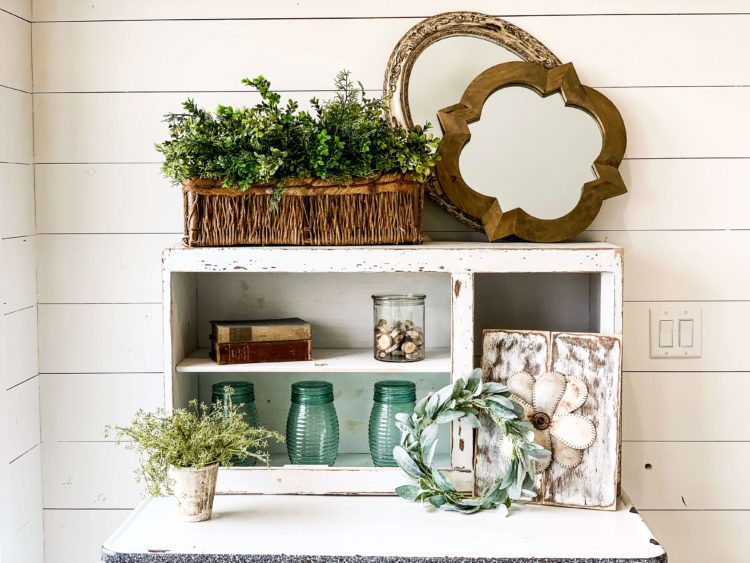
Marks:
<point>242,391</point>
<point>395,391</point>
<point>317,392</point>
<point>399,298</point>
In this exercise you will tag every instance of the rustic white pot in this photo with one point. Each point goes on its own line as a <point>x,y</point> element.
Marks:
<point>194,490</point>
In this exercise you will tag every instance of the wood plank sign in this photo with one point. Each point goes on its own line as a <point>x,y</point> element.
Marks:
<point>570,387</point>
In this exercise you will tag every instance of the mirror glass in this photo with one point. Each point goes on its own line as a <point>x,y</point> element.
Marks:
<point>531,152</point>
<point>443,70</point>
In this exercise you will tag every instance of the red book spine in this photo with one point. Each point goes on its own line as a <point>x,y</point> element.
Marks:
<point>257,352</point>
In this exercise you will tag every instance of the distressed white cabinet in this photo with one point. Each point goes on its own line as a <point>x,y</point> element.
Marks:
<point>469,287</point>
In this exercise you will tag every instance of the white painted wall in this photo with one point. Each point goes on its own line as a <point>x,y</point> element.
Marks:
<point>105,72</point>
<point>20,451</point>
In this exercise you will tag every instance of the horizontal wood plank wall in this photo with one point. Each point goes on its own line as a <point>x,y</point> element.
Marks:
<point>21,536</point>
<point>105,72</point>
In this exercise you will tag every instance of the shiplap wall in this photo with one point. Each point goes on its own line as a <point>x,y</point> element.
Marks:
<point>20,452</point>
<point>105,72</point>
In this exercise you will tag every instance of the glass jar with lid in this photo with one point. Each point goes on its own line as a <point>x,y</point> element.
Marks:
<point>399,327</point>
<point>312,427</point>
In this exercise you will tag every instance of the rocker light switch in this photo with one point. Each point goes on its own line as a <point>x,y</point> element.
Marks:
<point>686,333</point>
<point>666,333</point>
<point>675,332</point>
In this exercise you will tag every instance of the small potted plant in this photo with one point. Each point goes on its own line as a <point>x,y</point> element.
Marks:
<point>341,173</point>
<point>180,452</point>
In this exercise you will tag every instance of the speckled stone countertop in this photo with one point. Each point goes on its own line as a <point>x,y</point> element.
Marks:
<point>337,529</point>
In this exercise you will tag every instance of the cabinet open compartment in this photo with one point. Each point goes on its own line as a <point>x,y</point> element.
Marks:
<point>516,285</point>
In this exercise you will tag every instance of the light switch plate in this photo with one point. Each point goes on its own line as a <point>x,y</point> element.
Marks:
<point>675,332</point>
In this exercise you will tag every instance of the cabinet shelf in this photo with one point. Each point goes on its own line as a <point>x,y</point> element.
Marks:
<point>325,360</point>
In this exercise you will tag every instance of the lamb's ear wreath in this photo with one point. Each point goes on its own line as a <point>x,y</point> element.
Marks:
<point>466,400</point>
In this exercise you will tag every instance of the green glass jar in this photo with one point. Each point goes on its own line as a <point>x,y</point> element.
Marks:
<point>391,397</point>
<point>243,395</point>
<point>312,428</point>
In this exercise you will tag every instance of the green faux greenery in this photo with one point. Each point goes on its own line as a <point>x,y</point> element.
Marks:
<point>465,400</point>
<point>195,437</point>
<point>347,136</point>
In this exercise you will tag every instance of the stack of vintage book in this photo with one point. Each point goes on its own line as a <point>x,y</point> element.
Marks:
<point>268,340</point>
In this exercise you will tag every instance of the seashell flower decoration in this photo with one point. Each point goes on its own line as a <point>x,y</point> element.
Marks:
<point>548,402</point>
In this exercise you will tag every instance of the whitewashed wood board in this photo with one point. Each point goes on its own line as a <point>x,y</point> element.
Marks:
<point>20,8</point>
<point>444,257</point>
<point>650,115</point>
<point>18,282</point>
<point>106,127</point>
<point>698,536</point>
<point>26,543</point>
<point>174,9</point>
<point>688,405</point>
<point>105,198</point>
<point>294,58</point>
<point>15,52</point>
<point>719,345</point>
<point>65,417</point>
<point>20,418</point>
<point>325,360</point>
<point>75,10</point>
<point>22,500</point>
<point>19,357</point>
<point>16,144</point>
<point>77,535</point>
<point>87,338</point>
<point>463,299</point>
<point>594,483</point>
<point>569,535</point>
<point>339,307</point>
<point>89,475</point>
<point>101,269</point>
<point>17,195</point>
<point>685,475</point>
<point>661,266</point>
<point>720,185</point>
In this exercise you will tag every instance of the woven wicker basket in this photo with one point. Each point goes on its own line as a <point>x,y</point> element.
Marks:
<point>385,209</point>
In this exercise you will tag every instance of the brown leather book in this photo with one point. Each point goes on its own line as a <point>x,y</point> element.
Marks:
<point>257,352</point>
<point>264,330</point>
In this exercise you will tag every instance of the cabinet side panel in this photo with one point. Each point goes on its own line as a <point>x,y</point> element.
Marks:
<point>181,338</point>
<point>462,361</point>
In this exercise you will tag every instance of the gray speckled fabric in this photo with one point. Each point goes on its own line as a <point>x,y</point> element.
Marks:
<point>109,557</point>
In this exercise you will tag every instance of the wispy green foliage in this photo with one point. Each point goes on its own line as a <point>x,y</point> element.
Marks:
<point>347,136</point>
<point>194,437</point>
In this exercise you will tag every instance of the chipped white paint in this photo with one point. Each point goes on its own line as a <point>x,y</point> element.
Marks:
<point>462,361</point>
<point>540,368</point>
<point>191,297</point>
<point>338,526</point>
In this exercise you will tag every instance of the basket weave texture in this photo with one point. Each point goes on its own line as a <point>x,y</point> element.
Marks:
<point>384,209</point>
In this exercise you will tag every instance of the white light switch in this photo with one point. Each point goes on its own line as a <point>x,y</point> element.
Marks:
<point>666,333</point>
<point>686,333</point>
<point>675,332</point>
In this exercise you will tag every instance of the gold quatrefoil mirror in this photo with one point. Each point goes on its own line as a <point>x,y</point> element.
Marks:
<point>544,154</point>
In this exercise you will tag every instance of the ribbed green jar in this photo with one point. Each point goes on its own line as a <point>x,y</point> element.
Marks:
<point>243,394</point>
<point>312,428</point>
<point>390,397</point>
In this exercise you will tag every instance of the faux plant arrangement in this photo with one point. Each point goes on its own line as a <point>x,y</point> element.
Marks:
<point>180,452</point>
<point>466,400</point>
<point>366,171</point>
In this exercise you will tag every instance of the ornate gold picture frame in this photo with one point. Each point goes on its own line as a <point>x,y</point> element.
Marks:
<point>442,26</point>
